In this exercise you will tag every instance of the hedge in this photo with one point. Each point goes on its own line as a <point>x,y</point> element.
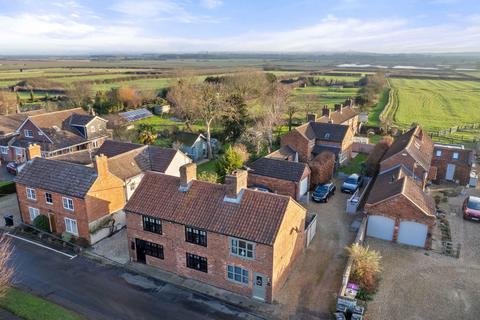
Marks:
<point>7,187</point>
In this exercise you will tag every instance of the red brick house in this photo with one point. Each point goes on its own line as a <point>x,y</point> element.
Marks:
<point>453,162</point>
<point>345,115</point>
<point>57,133</point>
<point>74,197</point>
<point>312,138</point>
<point>280,176</point>
<point>413,150</point>
<point>227,235</point>
<point>399,210</point>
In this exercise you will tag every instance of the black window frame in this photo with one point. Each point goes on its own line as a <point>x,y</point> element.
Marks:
<point>48,196</point>
<point>154,250</point>
<point>196,236</point>
<point>196,262</point>
<point>153,225</point>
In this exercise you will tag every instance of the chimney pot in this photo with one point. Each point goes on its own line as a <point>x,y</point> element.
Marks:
<point>235,183</point>
<point>326,112</point>
<point>338,108</point>
<point>188,172</point>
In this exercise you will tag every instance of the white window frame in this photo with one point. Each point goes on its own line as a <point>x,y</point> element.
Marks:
<point>31,194</point>
<point>33,213</point>
<point>93,129</point>
<point>4,149</point>
<point>235,248</point>
<point>95,143</point>
<point>67,201</point>
<point>19,151</point>
<point>242,274</point>
<point>40,133</point>
<point>438,153</point>
<point>28,133</point>
<point>46,199</point>
<point>455,156</point>
<point>69,226</point>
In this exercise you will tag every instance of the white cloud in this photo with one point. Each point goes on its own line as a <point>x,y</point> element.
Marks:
<point>212,4</point>
<point>58,34</point>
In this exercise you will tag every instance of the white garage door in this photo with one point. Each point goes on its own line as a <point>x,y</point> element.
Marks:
<point>412,233</point>
<point>303,186</point>
<point>380,227</point>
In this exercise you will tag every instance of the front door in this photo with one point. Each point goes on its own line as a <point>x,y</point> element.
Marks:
<point>259,286</point>
<point>450,172</point>
<point>140,247</point>
<point>53,223</point>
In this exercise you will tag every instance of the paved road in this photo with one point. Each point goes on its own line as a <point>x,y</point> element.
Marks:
<point>105,292</point>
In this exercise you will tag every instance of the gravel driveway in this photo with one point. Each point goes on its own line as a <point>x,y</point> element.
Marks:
<point>418,284</point>
<point>311,289</point>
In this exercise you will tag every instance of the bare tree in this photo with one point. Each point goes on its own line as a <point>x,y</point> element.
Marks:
<point>8,102</point>
<point>183,96</point>
<point>78,94</point>
<point>6,270</point>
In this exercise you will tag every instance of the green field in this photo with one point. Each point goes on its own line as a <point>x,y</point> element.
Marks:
<point>435,104</point>
<point>317,97</point>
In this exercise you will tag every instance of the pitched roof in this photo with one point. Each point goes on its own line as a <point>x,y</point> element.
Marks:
<point>284,153</point>
<point>339,117</point>
<point>257,217</point>
<point>81,119</point>
<point>126,160</point>
<point>84,157</point>
<point>399,181</point>
<point>416,143</point>
<point>279,169</point>
<point>10,123</point>
<point>323,131</point>
<point>187,138</point>
<point>57,176</point>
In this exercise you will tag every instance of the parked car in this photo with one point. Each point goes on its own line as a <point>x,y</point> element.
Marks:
<point>352,184</point>
<point>471,208</point>
<point>12,167</point>
<point>322,192</point>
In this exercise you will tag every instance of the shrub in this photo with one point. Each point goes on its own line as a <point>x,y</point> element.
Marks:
<point>228,162</point>
<point>374,158</point>
<point>41,222</point>
<point>365,267</point>
<point>322,167</point>
<point>7,188</point>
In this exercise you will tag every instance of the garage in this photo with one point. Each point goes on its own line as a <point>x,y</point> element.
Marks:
<point>412,233</point>
<point>303,187</point>
<point>380,227</point>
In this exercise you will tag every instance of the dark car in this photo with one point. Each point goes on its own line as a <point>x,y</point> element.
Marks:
<point>12,167</point>
<point>322,192</point>
<point>352,184</point>
<point>471,208</point>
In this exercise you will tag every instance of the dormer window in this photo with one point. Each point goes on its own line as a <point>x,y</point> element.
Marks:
<point>28,133</point>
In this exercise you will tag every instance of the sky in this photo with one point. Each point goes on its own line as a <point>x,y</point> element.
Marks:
<point>167,26</point>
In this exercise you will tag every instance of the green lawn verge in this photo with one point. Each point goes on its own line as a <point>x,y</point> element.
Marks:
<point>31,307</point>
<point>355,165</point>
<point>209,166</point>
<point>374,113</point>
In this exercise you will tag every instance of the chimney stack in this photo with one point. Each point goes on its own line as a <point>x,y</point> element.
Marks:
<point>33,151</point>
<point>188,172</point>
<point>348,102</point>
<point>235,183</point>
<point>338,108</point>
<point>311,117</point>
<point>326,112</point>
<point>101,165</point>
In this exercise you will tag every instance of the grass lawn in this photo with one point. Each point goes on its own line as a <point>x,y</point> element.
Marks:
<point>31,307</point>
<point>355,165</point>
<point>209,166</point>
<point>374,112</point>
<point>436,104</point>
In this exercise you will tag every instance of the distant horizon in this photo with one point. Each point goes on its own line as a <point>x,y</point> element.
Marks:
<point>89,27</point>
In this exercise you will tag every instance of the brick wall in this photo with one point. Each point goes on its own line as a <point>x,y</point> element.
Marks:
<point>36,136</point>
<point>462,165</point>
<point>298,142</point>
<point>400,209</point>
<point>217,252</point>
<point>56,209</point>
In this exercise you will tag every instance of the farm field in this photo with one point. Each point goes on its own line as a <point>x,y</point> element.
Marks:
<point>317,97</point>
<point>435,104</point>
